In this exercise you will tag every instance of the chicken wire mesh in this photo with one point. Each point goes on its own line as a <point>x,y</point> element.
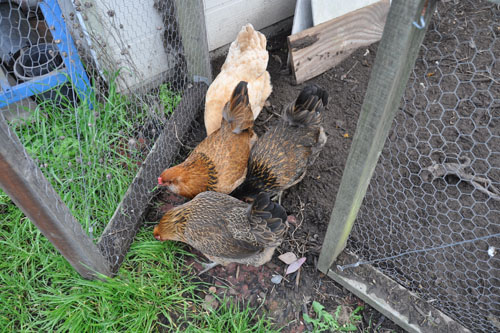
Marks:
<point>102,148</point>
<point>431,215</point>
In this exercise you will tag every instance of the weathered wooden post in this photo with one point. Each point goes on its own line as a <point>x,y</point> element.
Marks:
<point>395,59</point>
<point>25,184</point>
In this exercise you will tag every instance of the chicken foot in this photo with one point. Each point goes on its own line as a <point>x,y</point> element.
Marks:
<point>206,266</point>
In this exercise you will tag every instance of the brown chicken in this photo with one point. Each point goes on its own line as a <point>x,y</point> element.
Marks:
<point>246,61</point>
<point>226,229</point>
<point>279,159</point>
<point>219,162</point>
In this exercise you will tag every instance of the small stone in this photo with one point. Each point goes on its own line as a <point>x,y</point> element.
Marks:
<point>212,289</point>
<point>210,303</point>
<point>132,144</point>
<point>276,279</point>
<point>244,289</point>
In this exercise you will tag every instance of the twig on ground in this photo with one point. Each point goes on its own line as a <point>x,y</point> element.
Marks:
<point>297,280</point>
<point>343,76</point>
<point>482,184</point>
<point>308,325</point>
<point>180,142</point>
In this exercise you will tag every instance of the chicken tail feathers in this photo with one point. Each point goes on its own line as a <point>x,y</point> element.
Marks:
<point>237,112</point>
<point>267,219</point>
<point>307,108</point>
<point>249,38</point>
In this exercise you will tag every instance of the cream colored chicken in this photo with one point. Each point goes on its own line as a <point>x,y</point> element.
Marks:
<point>246,61</point>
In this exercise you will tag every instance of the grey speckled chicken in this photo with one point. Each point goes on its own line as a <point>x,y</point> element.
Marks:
<point>279,159</point>
<point>226,229</point>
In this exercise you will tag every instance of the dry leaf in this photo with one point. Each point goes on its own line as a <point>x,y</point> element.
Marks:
<point>288,257</point>
<point>294,266</point>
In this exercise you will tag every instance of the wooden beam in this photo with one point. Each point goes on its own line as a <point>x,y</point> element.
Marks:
<point>191,22</point>
<point>392,300</point>
<point>317,49</point>
<point>120,231</point>
<point>25,184</point>
<point>395,59</point>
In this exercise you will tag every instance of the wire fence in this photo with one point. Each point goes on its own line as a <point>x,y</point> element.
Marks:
<point>102,135</point>
<point>431,215</point>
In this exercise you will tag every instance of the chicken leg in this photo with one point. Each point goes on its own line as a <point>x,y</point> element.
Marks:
<point>206,266</point>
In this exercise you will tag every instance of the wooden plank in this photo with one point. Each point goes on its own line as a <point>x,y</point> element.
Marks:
<point>395,59</point>
<point>191,20</point>
<point>317,49</point>
<point>25,184</point>
<point>395,302</point>
<point>120,231</point>
<point>224,19</point>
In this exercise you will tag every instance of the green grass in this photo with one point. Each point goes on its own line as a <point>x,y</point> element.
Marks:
<point>39,291</point>
<point>84,155</point>
<point>326,322</point>
<point>231,317</point>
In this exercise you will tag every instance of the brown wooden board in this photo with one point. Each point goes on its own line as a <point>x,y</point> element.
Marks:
<point>120,231</point>
<point>391,299</point>
<point>317,49</point>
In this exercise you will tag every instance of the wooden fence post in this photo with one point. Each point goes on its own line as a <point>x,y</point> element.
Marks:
<point>395,59</point>
<point>191,20</point>
<point>25,184</point>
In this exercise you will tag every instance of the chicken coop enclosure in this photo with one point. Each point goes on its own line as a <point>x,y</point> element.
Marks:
<point>98,137</point>
<point>97,98</point>
<point>430,219</point>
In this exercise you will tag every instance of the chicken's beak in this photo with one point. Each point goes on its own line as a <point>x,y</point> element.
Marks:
<point>157,234</point>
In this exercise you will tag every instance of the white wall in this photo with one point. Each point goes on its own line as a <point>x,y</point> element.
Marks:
<point>128,37</point>
<point>224,18</point>
<point>325,10</point>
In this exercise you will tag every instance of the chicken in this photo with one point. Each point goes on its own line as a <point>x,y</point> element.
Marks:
<point>226,229</point>
<point>280,157</point>
<point>219,162</point>
<point>246,61</point>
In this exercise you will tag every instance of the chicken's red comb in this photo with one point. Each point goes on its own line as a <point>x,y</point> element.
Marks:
<point>160,182</point>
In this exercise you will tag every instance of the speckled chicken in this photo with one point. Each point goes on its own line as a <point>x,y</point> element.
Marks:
<point>219,162</point>
<point>226,229</point>
<point>279,159</point>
